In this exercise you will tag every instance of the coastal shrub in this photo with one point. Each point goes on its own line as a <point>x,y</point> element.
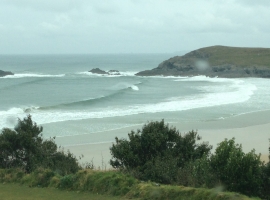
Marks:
<point>266,182</point>
<point>238,171</point>
<point>64,163</point>
<point>149,152</point>
<point>160,170</point>
<point>67,181</point>
<point>41,177</point>
<point>197,173</point>
<point>266,178</point>
<point>11,175</point>
<point>25,148</point>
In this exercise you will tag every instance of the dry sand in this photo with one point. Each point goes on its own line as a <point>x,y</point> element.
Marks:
<point>252,130</point>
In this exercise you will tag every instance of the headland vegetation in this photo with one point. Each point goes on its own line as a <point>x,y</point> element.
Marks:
<point>216,61</point>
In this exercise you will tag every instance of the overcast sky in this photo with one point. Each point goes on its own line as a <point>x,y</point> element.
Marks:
<point>130,26</point>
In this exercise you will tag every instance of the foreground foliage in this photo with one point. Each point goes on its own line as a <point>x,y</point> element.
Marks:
<point>25,148</point>
<point>156,153</point>
<point>239,171</point>
<point>160,153</point>
<point>112,183</point>
<point>147,149</point>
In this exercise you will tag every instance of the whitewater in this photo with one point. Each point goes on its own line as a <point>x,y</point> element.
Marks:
<point>58,91</point>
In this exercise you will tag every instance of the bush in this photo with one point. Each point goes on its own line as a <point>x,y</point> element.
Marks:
<point>67,181</point>
<point>157,151</point>
<point>197,173</point>
<point>266,179</point>
<point>160,170</point>
<point>11,175</point>
<point>42,177</point>
<point>238,171</point>
<point>25,148</point>
<point>64,163</point>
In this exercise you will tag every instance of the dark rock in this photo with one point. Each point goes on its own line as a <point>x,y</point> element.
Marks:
<point>5,73</point>
<point>98,71</point>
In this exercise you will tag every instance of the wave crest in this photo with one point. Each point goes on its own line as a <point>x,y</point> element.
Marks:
<point>237,91</point>
<point>33,75</point>
<point>112,74</point>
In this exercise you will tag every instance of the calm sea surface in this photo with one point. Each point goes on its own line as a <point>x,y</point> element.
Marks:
<point>58,89</point>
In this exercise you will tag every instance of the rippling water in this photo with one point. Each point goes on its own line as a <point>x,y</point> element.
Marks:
<point>57,89</point>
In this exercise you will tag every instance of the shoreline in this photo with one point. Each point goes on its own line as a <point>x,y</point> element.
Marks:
<point>252,130</point>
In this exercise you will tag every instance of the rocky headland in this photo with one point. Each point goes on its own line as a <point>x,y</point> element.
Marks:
<point>5,73</point>
<point>216,61</point>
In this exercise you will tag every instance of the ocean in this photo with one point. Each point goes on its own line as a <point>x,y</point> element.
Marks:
<point>61,95</point>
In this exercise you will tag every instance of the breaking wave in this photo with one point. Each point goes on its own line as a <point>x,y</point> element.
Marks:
<point>33,75</point>
<point>238,91</point>
<point>112,74</point>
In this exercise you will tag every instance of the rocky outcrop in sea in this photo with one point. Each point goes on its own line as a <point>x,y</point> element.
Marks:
<point>102,72</point>
<point>5,73</point>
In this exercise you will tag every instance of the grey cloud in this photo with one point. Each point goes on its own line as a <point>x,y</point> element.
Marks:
<point>111,26</point>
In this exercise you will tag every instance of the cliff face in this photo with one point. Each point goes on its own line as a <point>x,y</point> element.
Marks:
<point>229,62</point>
<point>4,73</point>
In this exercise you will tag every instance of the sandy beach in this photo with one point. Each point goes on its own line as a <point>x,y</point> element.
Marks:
<point>251,130</point>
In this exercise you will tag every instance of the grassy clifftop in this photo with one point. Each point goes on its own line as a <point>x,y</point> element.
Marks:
<point>221,61</point>
<point>240,56</point>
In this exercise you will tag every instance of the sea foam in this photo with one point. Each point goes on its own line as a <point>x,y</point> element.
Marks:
<point>33,75</point>
<point>237,91</point>
<point>112,74</point>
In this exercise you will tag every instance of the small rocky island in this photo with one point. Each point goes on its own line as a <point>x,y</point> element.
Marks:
<point>216,61</point>
<point>102,72</point>
<point>5,73</point>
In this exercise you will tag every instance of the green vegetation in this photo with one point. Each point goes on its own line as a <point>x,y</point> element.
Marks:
<point>245,57</point>
<point>239,56</point>
<point>23,192</point>
<point>25,148</point>
<point>159,153</point>
<point>146,151</point>
<point>156,162</point>
<point>238,171</point>
<point>111,183</point>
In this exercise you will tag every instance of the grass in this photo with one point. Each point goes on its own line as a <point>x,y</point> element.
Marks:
<point>86,183</point>
<point>13,191</point>
<point>239,56</point>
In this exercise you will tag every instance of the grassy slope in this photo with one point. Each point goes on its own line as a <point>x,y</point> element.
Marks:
<point>21,192</point>
<point>107,183</point>
<point>239,56</point>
